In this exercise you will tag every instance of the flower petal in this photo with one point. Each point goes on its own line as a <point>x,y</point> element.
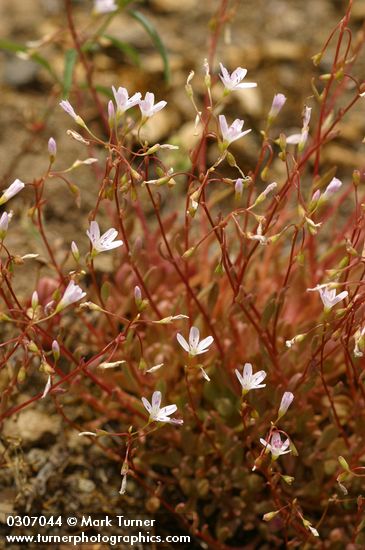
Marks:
<point>169,409</point>
<point>183,343</point>
<point>194,336</point>
<point>146,404</point>
<point>156,399</point>
<point>205,343</point>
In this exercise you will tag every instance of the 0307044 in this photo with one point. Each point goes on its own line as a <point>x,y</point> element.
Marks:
<point>26,521</point>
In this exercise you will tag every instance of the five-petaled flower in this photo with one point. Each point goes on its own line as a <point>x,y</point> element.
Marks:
<point>72,294</point>
<point>250,381</point>
<point>276,446</point>
<point>148,106</point>
<point>233,132</point>
<point>122,101</point>
<point>158,414</point>
<point>194,347</point>
<point>12,190</point>
<point>233,81</point>
<point>103,242</point>
<point>328,297</point>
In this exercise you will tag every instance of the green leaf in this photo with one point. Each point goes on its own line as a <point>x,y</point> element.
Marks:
<point>155,37</point>
<point>125,48</point>
<point>14,47</point>
<point>70,60</point>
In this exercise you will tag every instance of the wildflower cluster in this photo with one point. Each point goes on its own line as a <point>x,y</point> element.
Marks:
<point>190,264</point>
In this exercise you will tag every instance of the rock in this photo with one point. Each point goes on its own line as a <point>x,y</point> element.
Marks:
<point>283,50</point>
<point>86,485</point>
<point>31,425</point>
<point>19,72</point>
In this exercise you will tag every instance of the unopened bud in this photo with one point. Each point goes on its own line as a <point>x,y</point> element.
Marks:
<point>285,403</point>
<point>35,300</point>
<point>277,104</point>
<point>75,251</point>
<point>111,114</point>
<point>356,177</point>
<point>238,189</point>
<point>4,223</point>
<point>55,350</point>
<point>269,516</point>
<point>52,149</point>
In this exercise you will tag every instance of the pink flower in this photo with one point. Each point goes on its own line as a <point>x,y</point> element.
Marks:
<point>72,294</point>
<point>122,101</point>
<point>148,106</point>
<point>277,104</point>
<point>233,81</point>
<point>276,446</point>
<point>233,132</point>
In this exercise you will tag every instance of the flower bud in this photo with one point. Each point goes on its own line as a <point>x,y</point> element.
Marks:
<point>75,251</point>
<point>55,350</point>
<point>277,104</point>
<point>35,300</point>
<point>285,403</point>
<point>52,149</point>
<point>238,189</point>
<point>269,516</point>
<point>332,187</point>
<point>356,177</point>
<point>4,223</point>
<point>111,114</point>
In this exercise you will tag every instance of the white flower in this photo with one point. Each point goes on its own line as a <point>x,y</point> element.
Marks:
<point>103,242</point>
<point>233,132</point>
<point>286,401</point>
<point>12,190</point>
<point>157,413</point>
<point>104,6</point>
<point>66,106</point>
<point>250,381</point>
<point>72,294</point>
<point>300,139</point>
<point>328,296</point>
<point>148,106</point>
<point>123,102</point>
<point>276,446</point>
<point>233,81</point>
<point>194,347</point>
